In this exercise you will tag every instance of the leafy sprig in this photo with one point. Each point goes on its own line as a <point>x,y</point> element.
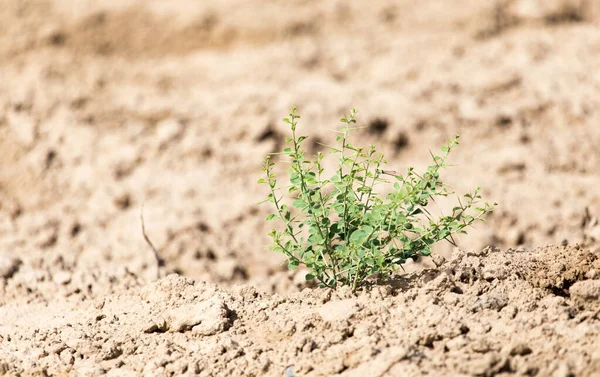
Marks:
<point>341,229</point>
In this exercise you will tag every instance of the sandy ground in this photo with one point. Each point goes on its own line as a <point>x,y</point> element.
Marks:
<point>110,106</point>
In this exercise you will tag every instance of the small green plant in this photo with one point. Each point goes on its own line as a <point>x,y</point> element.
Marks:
<point>341,229</point>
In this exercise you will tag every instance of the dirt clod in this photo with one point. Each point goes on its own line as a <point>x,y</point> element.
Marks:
<point>8,266</point>
<point>588,290</point>
<point>338,310</point>
<point>204,318</point>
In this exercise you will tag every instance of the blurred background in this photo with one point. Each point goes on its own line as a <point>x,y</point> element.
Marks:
<point>106,106</point>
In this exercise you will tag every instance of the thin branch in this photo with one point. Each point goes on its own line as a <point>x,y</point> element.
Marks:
<point>159,261</point>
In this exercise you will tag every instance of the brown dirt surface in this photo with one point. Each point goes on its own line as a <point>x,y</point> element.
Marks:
<point>111,107</point>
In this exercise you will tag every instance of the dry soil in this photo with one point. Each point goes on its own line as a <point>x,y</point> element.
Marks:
<point>111,107</point>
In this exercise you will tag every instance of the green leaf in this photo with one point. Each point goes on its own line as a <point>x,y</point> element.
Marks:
<point>293,264</point>
<point>302,138</point>
<point>309,277</point>
<point>416,211</point>
<point>335,229</point>
<point>299,203</point>
<point>295,179</point>
<point>271,217</point>
<point>360,235</point>
<point>316,238</point>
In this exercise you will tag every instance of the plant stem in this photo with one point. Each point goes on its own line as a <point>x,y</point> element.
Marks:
<point>306,193</point>
<point>375,177</point>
